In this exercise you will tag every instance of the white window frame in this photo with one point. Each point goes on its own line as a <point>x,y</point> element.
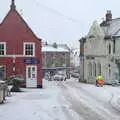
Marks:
<point>4,43</point>
<point>29,43</point>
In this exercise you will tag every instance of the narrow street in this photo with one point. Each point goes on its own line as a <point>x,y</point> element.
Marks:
<point>45,42</point>
<point>63,100</point>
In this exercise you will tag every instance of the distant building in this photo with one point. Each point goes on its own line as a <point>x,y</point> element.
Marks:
<point>100,51</point>
<point>56,57</point>
<point>20,50</point>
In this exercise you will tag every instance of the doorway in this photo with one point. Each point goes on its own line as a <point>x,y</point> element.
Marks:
<point>31,76</point>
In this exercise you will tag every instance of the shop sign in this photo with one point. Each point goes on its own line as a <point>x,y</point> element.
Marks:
<point>31,61</point>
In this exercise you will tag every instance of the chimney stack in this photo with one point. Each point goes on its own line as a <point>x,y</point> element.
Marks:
<point>108,15</point>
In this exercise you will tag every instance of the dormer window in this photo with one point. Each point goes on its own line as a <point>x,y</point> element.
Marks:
<point>29,49</point>
<point>2,48</point>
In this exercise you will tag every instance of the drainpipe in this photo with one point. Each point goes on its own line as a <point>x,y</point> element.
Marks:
<point>82,42</point>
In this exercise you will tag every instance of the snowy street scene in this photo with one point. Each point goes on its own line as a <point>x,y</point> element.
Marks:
<point>59,60</point>
<point>67,100</point>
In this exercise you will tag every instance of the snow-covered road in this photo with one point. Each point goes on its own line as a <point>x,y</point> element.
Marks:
<point>68,100</point>
<point>91,102</point>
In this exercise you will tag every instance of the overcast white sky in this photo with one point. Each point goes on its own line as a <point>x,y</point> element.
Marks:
<point>62,21</point>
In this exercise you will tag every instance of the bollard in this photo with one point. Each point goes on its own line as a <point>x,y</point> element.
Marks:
<point>2,91</point>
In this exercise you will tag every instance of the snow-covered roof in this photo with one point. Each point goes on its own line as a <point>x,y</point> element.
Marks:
<point>112,28</point>
<point>95,30</point>
<point>49,48</point>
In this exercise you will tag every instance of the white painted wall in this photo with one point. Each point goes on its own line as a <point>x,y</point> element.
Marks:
<point>98,48</point>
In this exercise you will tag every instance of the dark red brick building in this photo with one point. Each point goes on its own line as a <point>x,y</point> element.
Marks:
<point>20,50</point>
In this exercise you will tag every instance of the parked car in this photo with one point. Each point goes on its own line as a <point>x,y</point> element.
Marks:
<point>116,83</point>
<point>60,77</point>
<point>75,74</point>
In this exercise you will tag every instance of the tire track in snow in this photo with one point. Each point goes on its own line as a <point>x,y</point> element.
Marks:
<point>91,114</point>
<point>69,113</point>
<point>107,105</point>
<point>81,109</point>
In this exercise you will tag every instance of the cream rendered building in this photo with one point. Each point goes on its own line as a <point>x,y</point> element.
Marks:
<point>102,51</point>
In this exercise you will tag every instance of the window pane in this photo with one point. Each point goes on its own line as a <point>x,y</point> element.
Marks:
<point>27,46</point>
<point>25,52</point>
<point>29,49</point>
<point>29,72</point>
<point>33,72</point>
<point>2,46</point>
<point>33,69</point>
<point>1,49</point>
<point>2,52</point>
<point>31,52</point>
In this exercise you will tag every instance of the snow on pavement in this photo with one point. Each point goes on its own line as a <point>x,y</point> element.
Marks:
<point>33,104</point>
